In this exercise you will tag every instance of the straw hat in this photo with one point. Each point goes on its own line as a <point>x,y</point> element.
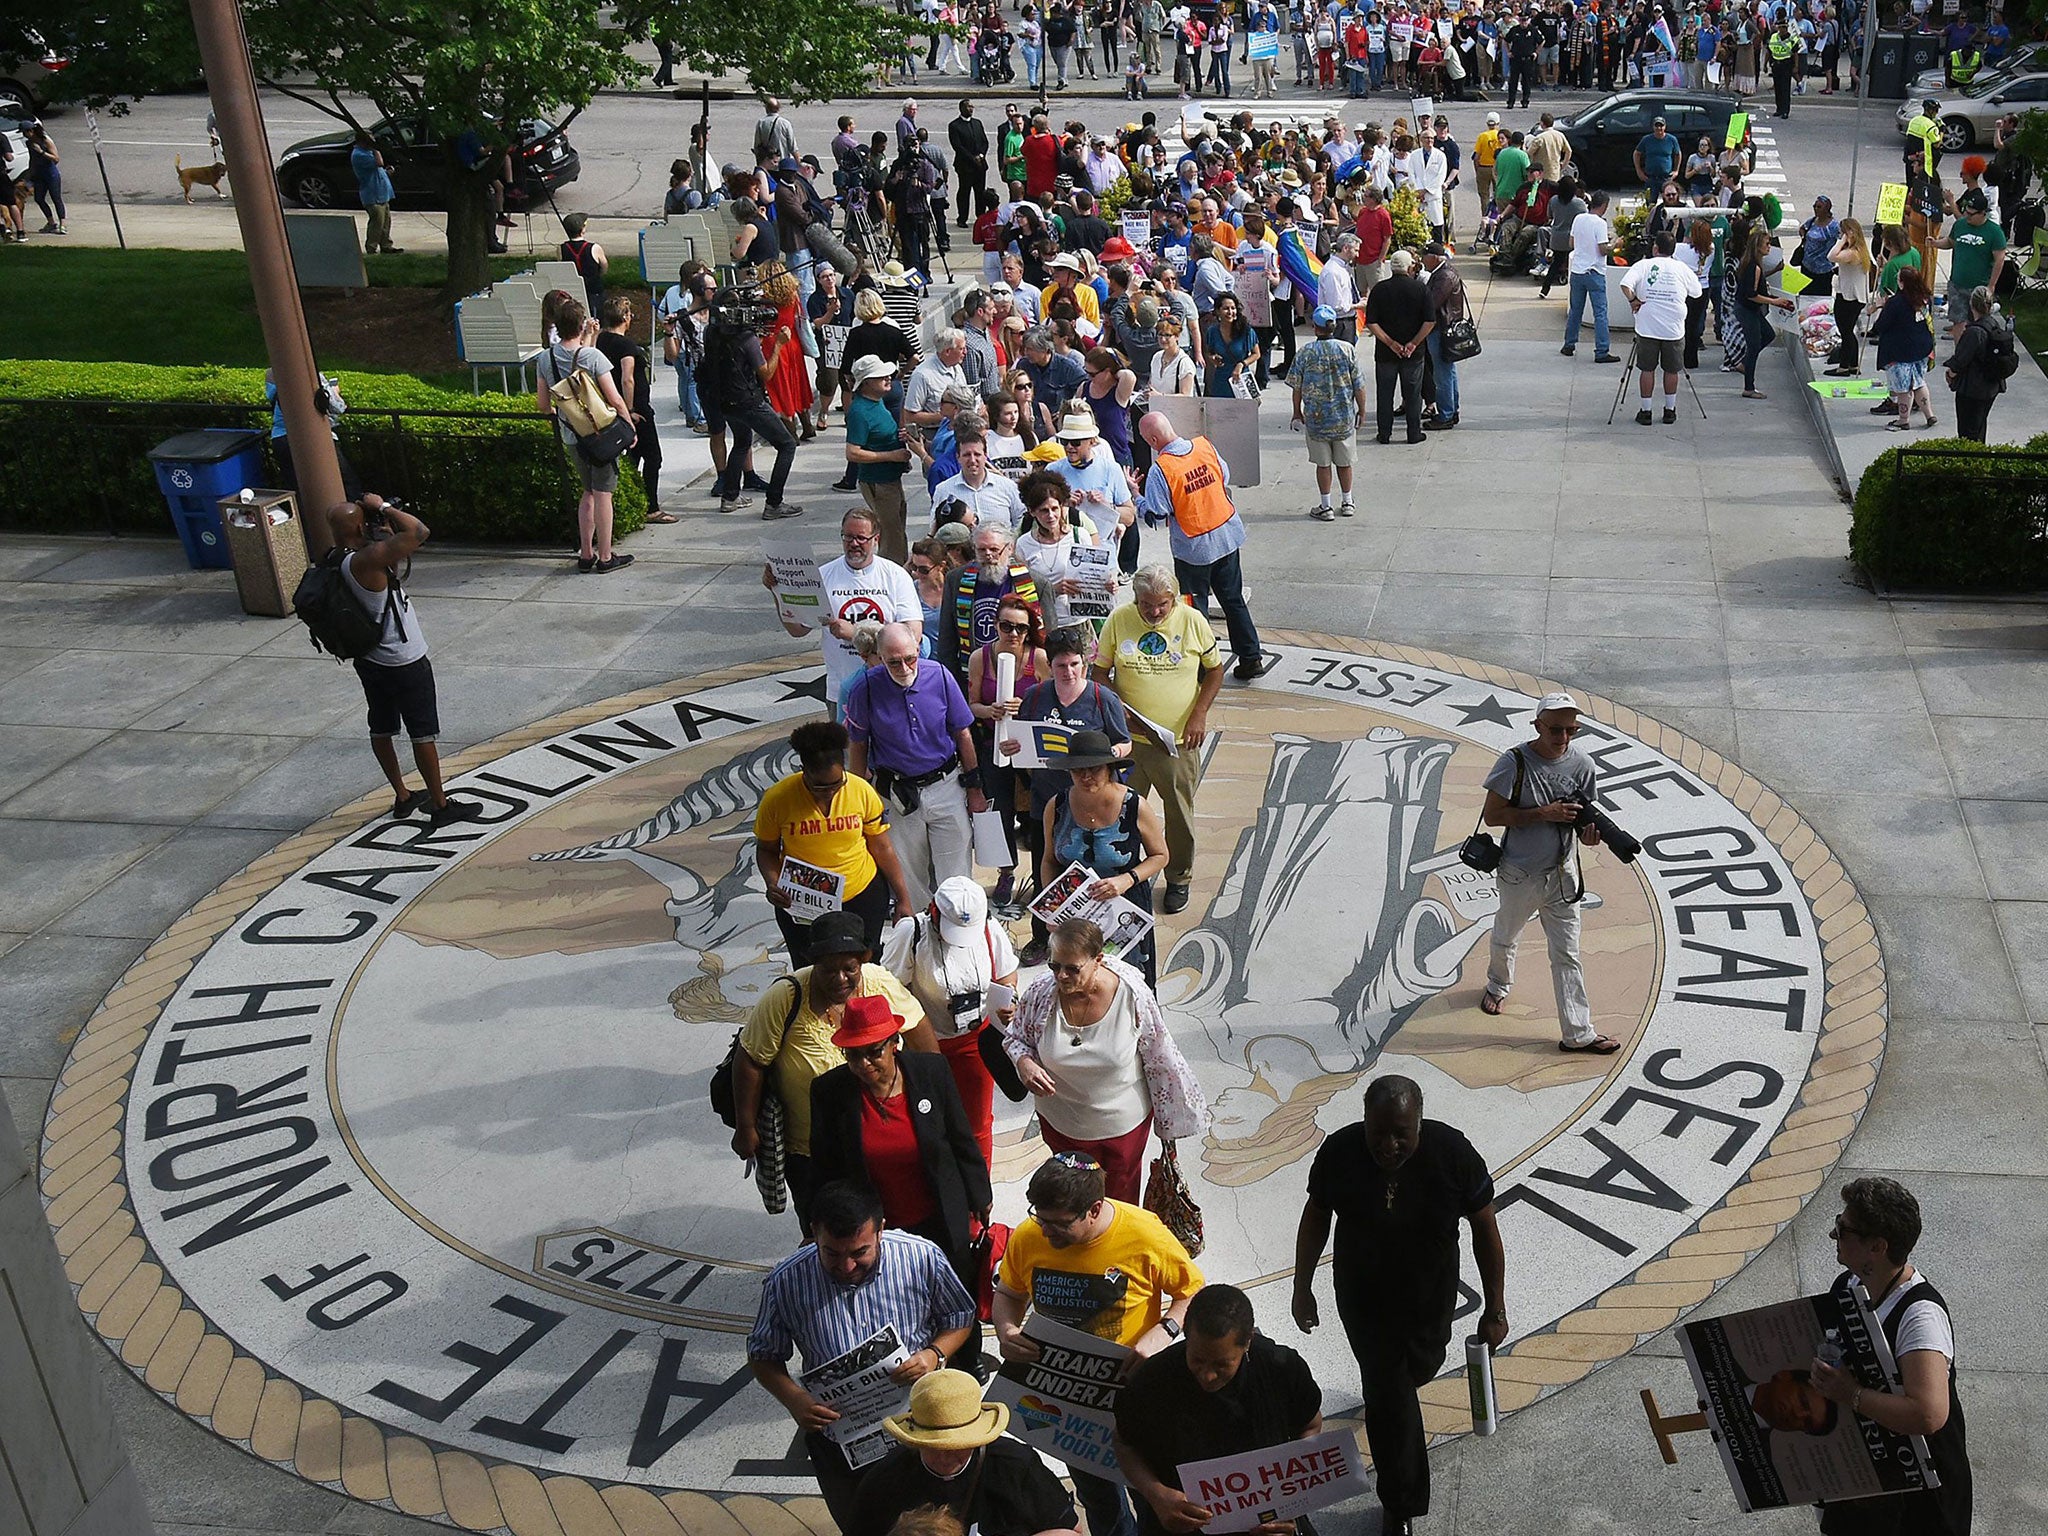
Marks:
<point>947,1414</point>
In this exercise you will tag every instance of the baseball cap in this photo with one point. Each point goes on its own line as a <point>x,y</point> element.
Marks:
<point>1558,700</point>
<point>962,910</point>
<point>1435,248</point>
<point>1493,119</point>
<point>838,933</point>
<point>1325,314</point>
<point>1973,201</point>
<point>1401,261</point>
<point>955,533</point>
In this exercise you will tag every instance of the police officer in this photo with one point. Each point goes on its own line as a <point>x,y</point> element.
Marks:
<point>1784,48</point>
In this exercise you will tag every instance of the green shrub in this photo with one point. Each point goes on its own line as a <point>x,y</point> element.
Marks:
<point>474,478</point>
<point>1973,523</point>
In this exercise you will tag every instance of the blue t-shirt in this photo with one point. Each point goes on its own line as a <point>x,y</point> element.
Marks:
<point>373,182</point>
<point>1660,156</point>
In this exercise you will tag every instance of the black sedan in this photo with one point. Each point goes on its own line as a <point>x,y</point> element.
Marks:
<point>315,173</point>
<point>1604,136</point>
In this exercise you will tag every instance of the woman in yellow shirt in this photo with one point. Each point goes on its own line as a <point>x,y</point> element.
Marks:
<point>822,822</point>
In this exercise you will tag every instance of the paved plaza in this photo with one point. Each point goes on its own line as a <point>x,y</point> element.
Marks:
<point>494,1079</point>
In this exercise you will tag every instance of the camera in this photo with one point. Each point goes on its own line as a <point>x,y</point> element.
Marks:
<point>1624,845</point>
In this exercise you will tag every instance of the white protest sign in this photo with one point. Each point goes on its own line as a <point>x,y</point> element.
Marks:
<point>1137,229</point>
<point>991,848</point>
<point>1254,283</point>
<point>1424,108</point>
<point>857,1387</point>
<point>1094,566</point>
<point>812,891</point>
<point>1277,1483</point>
<point>799,595</point>
<point>1123,924</point>
<point>1039,745</point>
<point>1064,1402</point>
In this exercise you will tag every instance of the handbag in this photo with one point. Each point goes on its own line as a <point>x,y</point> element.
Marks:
<point>1481,851</point>
<point>602,434</point>
<point>1461,340</point>
<point>985,1256</point>
<point>1168,1197</point>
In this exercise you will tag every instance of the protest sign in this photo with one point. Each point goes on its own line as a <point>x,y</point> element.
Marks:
<point>1137,229</point>
<point>1781,1442</point>
<point>1276,1483</point>
<point>799,595</point>
<point>1263,45</point>
<point>1423,109</point>
<point>1039,745</point>
<point>991,848</point>
<point>1738,125</point>
<point>1094,566</point>
<point>832,344</point>
<point>1064,1402</point>
<point>1123,924</point>
<point>1891,203</point>
<point>1254,283</point>
<point>857,1387</point>
<point>812,891</point>
<point>1794,281</point>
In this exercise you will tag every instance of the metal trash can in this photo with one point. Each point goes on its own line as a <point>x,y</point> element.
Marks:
<point>268,545</point>
<point>195,470</point>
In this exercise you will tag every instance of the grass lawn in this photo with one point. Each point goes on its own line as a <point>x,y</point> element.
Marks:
<point>2029,313</point>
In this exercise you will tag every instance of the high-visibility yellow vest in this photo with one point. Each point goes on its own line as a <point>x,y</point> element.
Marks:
<point>1782,47</point>
<point>1928,132</point>
<point>1962,67</point>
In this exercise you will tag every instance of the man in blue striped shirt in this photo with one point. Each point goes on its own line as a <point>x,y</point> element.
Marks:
<point>837,1292</point>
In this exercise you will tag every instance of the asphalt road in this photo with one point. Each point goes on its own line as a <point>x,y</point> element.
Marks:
<point>627,140</point>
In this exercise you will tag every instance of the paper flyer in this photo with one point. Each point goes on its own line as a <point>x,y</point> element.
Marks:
<point>799,595</point>
<point>991,848</point>
<point>812,891</point>
<point>1039,744</point>
<point>1123,924</point>
<point>858,1388</point>
<point>1094,566</point>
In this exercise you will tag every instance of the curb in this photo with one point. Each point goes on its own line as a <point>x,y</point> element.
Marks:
<point>1817,409</point>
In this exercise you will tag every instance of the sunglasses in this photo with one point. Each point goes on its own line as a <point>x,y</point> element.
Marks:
<point>1069,970</point>
<point>921,567</point>
<point>868,1053</point>
<point>1014,629</point>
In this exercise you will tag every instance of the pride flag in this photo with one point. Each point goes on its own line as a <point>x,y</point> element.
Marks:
<point>1298,263</point>
<point>1660,29</point>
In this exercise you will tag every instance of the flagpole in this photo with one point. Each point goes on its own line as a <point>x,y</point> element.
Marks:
<point>1863,100</point>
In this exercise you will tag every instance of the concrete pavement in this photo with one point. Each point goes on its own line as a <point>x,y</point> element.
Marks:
<point>154,741</point>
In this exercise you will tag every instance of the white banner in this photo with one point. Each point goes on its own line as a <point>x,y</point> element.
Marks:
<point>1277,1483</point>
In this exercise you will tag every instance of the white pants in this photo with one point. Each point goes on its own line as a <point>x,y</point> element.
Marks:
<point>1552,895</point>
<point>933,842</point>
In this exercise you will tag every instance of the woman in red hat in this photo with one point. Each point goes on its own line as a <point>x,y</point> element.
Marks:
<point>895,1120</point>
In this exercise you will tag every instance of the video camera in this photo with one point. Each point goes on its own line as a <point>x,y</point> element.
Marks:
<point>742,304</point>
<point>1621,843</point>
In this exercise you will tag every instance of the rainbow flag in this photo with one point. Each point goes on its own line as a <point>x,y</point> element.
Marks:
<point>1298,263</point>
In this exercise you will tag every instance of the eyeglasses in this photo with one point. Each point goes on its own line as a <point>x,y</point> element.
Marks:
<point>899,663</point>
<point>1561,730</point>
<point>860,538</point>
<point>921,568</point>
<point>1013,629</point>
<point>1059,1223</point>
<point>1842,1229</point>
<point>1059,969</point>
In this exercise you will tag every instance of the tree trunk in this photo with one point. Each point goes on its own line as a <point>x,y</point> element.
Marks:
<point>469,230</point>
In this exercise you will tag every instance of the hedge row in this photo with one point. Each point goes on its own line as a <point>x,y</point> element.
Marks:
<point>1975,524</point>
<point>495,475</point>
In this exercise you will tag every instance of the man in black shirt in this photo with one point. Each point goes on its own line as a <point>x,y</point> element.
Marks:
<point>954,1455</point>
<point>629,368</point>
<point>1087,230</point>
<point>1223,1389</point>
<point>1400,315</point>
<point>1398,1185</point>
<point>1524,43</point>
<point>970,160</point>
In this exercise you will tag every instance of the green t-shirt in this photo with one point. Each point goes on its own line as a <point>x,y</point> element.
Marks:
<point>1510,170</point>
<point>869,425</point>
<point>1975,246</point>
<point>1888,279</point>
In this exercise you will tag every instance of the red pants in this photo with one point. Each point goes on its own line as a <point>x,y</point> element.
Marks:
<point>1326,68</point>
<point>977,1088</point>
<point>1122,1157</point>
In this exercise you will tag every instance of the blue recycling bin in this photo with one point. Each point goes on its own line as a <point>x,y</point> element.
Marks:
<point>196,469</point>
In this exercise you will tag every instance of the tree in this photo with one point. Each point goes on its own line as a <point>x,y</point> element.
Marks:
<point>466,68</point>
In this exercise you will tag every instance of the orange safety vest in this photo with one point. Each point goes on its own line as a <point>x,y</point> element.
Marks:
<point>1194,479</point>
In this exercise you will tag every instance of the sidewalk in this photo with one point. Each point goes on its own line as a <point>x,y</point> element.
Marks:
<point>153,740</point>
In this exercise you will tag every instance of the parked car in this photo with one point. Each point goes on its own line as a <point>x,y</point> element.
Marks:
<point>1603,136</point>
<point>13,120</point>
<point>25,87</point>
<point>2025,59</point>
<point>1967,116</point>
<point>315,173</point>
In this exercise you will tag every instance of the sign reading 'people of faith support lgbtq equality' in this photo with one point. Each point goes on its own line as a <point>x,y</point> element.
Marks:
<point>1064,1402</point>
<point>1277,1483</point>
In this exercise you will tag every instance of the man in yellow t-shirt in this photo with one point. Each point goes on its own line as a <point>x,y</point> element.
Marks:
<point>1099,1266</point>
<point>1161,658</point>
<point>788,1038</point>
<point>1484,148</point>
<point>832,820</point>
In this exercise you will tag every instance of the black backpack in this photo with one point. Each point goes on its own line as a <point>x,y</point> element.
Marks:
<point>2001,354</point>
<point>338,622</point>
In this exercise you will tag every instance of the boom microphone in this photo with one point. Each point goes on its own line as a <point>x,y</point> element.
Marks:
<point>829,247</point>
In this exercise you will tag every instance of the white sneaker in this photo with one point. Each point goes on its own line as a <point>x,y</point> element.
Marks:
<point>1324,514</point>
<point>1347,510</point>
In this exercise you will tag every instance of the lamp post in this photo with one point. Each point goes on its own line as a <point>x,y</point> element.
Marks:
<point>231,81</point>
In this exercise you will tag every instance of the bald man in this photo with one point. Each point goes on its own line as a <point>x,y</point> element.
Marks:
<point>1188,489</point>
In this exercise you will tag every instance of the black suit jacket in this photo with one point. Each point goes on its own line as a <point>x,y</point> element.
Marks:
<point>952,1157</point>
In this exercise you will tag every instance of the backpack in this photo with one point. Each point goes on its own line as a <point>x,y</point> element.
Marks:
<point>338,622</point>
<point>2001,358</point>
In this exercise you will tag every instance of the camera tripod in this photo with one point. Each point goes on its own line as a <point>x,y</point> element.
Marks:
<point>1628,374</point>
<point>864,239</point>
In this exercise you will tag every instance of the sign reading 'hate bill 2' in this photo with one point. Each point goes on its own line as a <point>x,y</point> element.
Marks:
<point>392,1160</point>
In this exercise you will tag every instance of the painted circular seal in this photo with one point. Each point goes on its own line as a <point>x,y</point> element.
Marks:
<point>392,1163</point>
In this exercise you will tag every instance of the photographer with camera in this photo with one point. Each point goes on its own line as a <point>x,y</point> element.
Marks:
<point>1539,795</point>
<point>378,539</point>
<point>732,382</point>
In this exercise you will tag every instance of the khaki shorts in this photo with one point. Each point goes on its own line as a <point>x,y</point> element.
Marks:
<point>1325,452</point>
<point>1652,354</point>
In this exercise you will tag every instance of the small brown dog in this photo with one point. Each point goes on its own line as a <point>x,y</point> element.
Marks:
<point>190,176</point>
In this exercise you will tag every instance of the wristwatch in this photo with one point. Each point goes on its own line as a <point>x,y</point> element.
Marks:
<point>970,778</point>
<point>1170,1327</point>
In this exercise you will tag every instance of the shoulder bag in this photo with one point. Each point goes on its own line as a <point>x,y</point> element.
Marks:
<point>1461,340</point>
<point>1168,1197</point>
<point>1480,851</point>
<point>602,434</point>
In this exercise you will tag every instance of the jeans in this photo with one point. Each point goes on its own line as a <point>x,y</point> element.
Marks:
<point>1062,59</point>
<point>1588,286</point>
<point>803,266</point>
<point>686,394</point>
<point>1105,1503</point>
<point>1408,371</point>
<point>1847,312</point>
<point>1034,62</point>
<point>1446,377</point>
<point>1756,335</point>
<point>48,186</point>
<point>1224,578</point>
<point>1696,330</point>
<point>762,422</point>
<point>1219,73</point>
<point>1376,65</point>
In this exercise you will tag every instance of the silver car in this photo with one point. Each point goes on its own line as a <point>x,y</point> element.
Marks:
<point>1967,116</point>
<point>2026,59</point>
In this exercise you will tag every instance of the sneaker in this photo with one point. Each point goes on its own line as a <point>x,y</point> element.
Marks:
<point>846,483</point>
<point>1006,887</point>
<point>1256,668</point>
<point>1884,408</point>
<point>1323,513</point>
<point>779,509</point>
<point>452,811</point>
<point>1034,953</point>
<point>617,562</point>
<point>753,482</point>
<point>1566,351</point>
<point>1605,357</point>
<point>1345,509</point>
<point>1643,417</point>
<point>737,504</point>
<point>1176,900</point>
<point>1670,415</point>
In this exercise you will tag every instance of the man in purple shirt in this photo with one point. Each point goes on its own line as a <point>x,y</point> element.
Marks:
<point>912,738</point>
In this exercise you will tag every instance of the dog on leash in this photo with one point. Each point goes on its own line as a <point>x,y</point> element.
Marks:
<point>190,176</point>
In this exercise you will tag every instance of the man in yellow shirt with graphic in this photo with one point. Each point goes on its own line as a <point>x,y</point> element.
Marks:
<point>1099,1266</point>
<point>1484,150</point>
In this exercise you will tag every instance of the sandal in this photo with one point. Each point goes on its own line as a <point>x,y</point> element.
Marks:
<point>1929,422</point>
<point>1491,1005</point>
<point>1895,425</point>
<point>656,515</point>
<point>1599,1045</point>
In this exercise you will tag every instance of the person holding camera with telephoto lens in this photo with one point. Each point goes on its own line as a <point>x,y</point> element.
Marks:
<point>1539,794</point>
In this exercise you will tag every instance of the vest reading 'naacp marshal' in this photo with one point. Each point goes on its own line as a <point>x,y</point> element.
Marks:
<point>1201,504</point>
